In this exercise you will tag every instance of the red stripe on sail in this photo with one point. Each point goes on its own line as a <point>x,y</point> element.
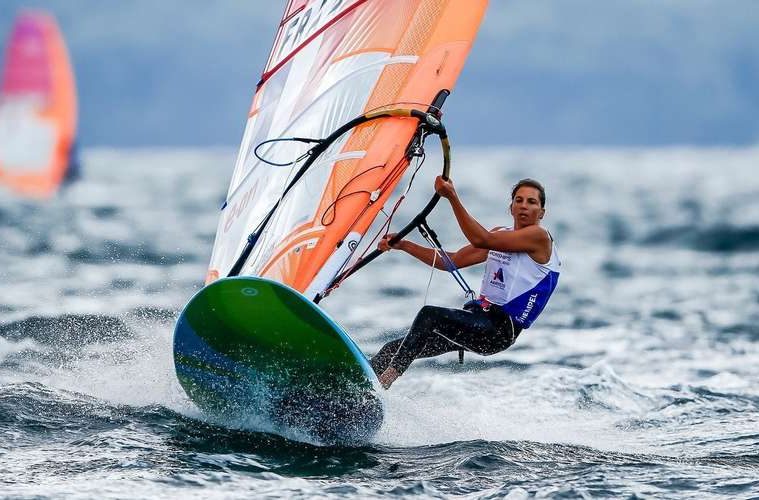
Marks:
<point>310,39</point>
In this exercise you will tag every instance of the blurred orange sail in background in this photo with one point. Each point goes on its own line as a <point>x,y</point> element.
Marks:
<point>38,108</point>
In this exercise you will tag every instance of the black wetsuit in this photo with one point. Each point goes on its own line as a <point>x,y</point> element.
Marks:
<point>437,330</point>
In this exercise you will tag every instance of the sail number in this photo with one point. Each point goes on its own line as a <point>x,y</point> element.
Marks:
<point>305,24</point>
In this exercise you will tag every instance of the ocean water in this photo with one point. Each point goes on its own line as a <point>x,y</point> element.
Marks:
<point>640,379</point>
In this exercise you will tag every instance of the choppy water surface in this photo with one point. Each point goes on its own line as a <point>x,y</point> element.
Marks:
<point>640,380</point>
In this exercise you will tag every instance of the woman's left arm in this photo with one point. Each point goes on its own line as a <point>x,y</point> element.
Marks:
<point>528,239</point>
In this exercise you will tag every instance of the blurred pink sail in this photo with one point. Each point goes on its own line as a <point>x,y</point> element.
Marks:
<point>38,107</point>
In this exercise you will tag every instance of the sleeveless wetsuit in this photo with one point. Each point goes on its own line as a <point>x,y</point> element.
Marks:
<point>515,290</point>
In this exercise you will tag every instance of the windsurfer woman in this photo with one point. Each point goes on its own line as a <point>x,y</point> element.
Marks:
<point>522,269</point>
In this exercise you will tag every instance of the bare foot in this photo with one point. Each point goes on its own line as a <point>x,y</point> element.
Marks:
<point>388,377</point>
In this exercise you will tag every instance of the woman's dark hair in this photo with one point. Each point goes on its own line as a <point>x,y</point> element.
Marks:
<point>530,183</point>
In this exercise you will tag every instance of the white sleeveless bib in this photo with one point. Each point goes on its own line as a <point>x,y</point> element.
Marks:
<point>521,286</point>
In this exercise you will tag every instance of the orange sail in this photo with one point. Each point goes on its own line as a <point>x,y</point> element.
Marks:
<point>38,107</point>
<point>334,60</point>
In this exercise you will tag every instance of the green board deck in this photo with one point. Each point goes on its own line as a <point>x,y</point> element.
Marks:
<point>250,347</point>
